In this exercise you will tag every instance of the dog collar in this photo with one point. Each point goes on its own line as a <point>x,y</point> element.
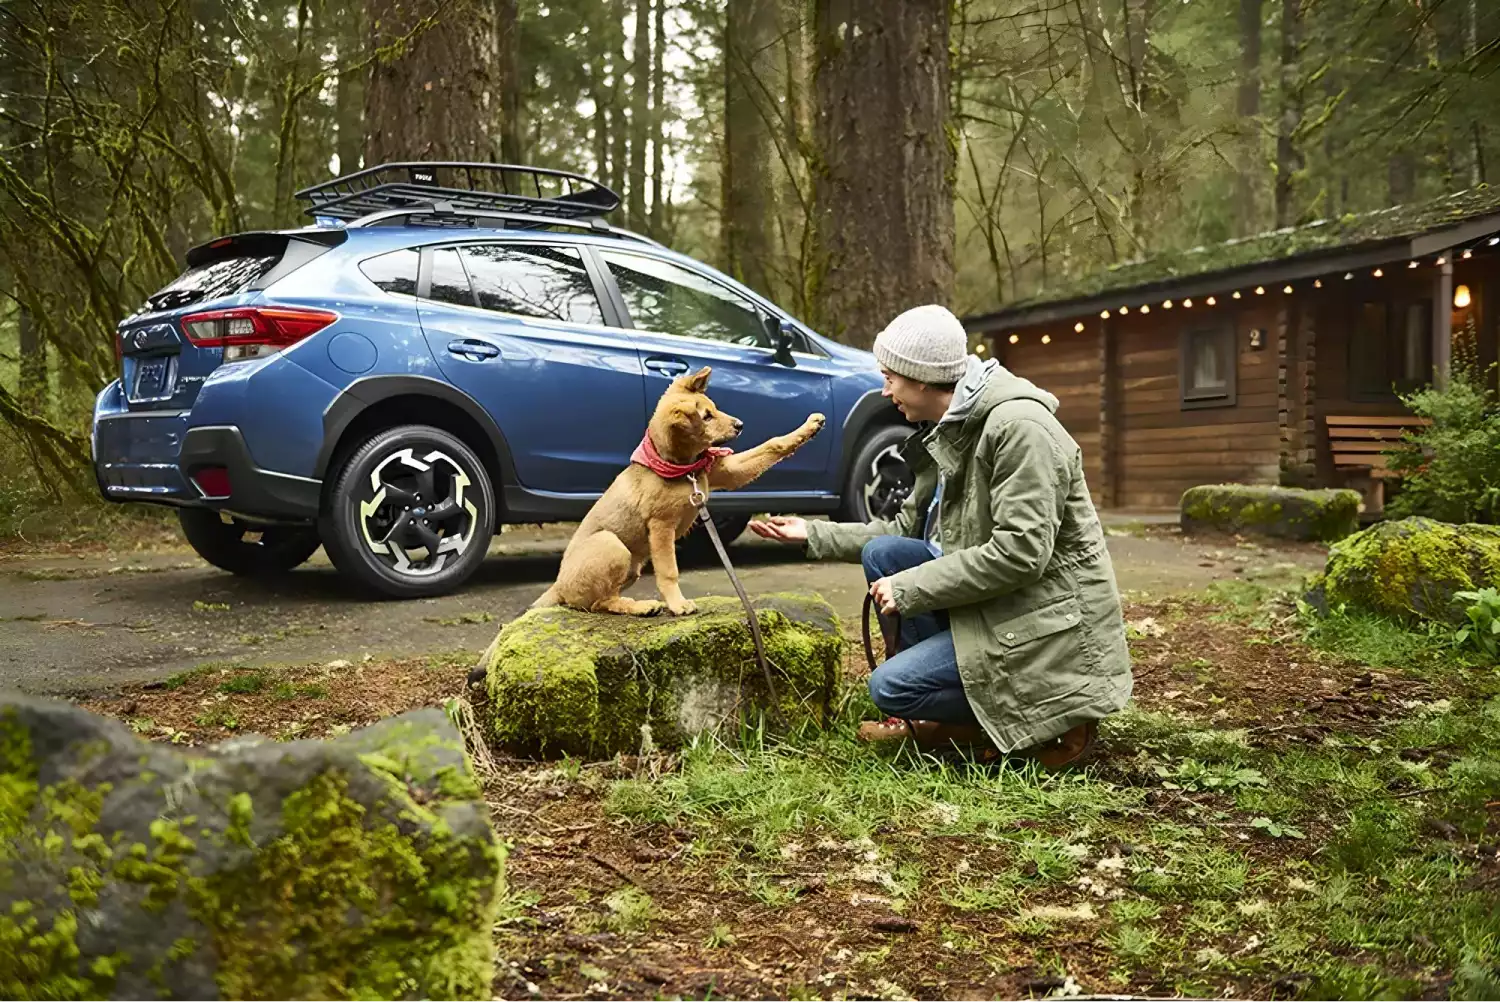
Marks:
<point>646,455</point>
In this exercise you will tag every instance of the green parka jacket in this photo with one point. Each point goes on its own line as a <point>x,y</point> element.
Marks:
<point>1024,573</point>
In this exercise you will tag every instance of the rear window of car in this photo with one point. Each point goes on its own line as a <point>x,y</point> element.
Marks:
<point>393,272</point>
<point>225,277</point>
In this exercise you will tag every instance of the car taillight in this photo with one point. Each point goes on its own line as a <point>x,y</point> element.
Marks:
<point>253,331</point>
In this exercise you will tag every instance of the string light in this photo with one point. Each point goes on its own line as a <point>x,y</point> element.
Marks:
<point>1379,272</point>
<point>1046,339</point>
<point>1412,264</point>
<point>1145,307</point>
<point>1078,327</point>
<point>1015,339</point>
<point>1317,283</point>
<point>1187,304</point>
<point>1166,305</point>
<point>1494,241</point>
<point>1348,275</point>
<point>1260,290</point>
<point>1441,261</point>
<point>1461,298</point>
<point>1124,310</point>
<point>1468,254</point>
<point>1212,301</point>
<point>1287,289</point>
<point>1236,293</point>
<point>1104,315</point>
<point>979,349</point>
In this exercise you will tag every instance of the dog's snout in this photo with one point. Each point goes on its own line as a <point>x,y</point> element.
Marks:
<point>738,424</point>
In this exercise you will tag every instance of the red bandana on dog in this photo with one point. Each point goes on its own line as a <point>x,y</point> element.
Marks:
<point>647,456</point>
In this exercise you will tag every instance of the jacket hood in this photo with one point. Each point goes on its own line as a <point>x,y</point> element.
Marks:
<point>985,385</point>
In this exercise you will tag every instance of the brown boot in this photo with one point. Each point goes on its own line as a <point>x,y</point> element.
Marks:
<point>1068,749</point>
<point>892,729</point>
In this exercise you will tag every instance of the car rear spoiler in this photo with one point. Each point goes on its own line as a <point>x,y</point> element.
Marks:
<point>262,243</point>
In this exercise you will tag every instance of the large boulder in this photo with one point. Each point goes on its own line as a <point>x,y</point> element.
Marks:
<point>563,682</point>
<point>1277,512</point>
<point>1411,569</point>
<point>360,867</point>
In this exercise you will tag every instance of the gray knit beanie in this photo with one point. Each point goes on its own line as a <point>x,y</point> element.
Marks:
<point>926,343</point>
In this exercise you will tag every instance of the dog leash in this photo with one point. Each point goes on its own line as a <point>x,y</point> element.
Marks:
<point>698,500</point>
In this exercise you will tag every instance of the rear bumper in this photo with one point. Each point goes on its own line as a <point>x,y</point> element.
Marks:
<point>150,456</point>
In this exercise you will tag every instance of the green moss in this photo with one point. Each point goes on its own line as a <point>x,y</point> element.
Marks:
<point>1351,230</point>
<point>341,896</point>
<point>1410,569</point>
<point>566,682</point>
<point>1280,512</point>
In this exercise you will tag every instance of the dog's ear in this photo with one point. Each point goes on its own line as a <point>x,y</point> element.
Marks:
<point>698,381</point>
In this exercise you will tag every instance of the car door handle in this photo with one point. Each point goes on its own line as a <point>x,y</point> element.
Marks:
<point>666,365</point>
<point>474,351</point>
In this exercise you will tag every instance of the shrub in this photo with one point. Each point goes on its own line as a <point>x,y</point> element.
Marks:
<point>1451,470</point>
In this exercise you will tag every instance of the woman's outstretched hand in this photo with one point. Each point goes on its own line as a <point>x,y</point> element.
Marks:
<point>785,528</point>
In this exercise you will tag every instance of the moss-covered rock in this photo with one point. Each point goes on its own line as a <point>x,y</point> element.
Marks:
<point>361,867</point>
<point>1277,512</point>
<point>1411,569</point>
<point>577,683</point>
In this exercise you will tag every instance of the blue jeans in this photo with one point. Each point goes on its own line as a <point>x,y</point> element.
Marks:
<point>922,681</point>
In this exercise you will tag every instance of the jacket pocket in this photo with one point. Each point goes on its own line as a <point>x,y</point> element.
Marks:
<point>1048,655</point>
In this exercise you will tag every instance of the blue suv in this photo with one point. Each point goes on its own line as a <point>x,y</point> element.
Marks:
<point>452,347</point>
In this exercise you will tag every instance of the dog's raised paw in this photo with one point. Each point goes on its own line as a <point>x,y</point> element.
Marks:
<point>815,423</point>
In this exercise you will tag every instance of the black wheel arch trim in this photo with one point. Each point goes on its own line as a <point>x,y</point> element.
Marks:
<point>870,411</point>
<point>362,394</point>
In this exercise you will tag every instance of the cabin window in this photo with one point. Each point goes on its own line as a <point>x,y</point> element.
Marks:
<point>1391,350</point>
<point>1208,367</point>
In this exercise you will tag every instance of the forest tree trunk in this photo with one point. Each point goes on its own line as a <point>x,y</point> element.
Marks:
<point>1288,156</point>
<point>658,222</point>
<point>640,116</point>
<point>349,88</point>
<point>1247,109</point>
<point>749,199</point>
<point>426,96</point>
<point>507,50</point>
<point>883,174</point>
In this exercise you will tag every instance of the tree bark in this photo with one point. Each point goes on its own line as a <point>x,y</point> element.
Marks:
<point>749,201</point>
<point>883,175</point>
<point>1288,156</point>
<point>619,125</point>
<point>349,88</point>
<point>427,89</point>
<point>658,222</point>
<point>600,97</point>
<point>1476,129</point>
<point>1247,110</point>
<point>640,115</point>
<point>508,76</point>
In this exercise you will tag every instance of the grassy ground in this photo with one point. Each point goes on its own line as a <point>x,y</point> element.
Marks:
<point>1287,809</point>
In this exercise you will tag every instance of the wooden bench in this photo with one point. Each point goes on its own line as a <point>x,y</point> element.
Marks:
<point>1360,443</point>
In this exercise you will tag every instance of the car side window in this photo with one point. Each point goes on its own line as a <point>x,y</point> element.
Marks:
<point>668,299</point>
<point>395,271</point>
<point>531,280</point>
<point>450,283</point>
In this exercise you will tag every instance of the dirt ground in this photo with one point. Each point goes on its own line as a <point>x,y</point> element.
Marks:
<point>92,620</point>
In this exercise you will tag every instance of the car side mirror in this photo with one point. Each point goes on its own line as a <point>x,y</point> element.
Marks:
<point>783,336</point>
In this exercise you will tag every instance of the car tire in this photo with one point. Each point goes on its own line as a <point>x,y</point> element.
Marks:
<point>879,479</point>
<point>278,548</point>
<point>396,507</point>
<point>696,548</point>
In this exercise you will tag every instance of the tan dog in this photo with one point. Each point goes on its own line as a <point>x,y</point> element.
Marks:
<point>643,514</point>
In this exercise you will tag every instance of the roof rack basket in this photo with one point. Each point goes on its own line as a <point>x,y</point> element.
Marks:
<point>452,188</point>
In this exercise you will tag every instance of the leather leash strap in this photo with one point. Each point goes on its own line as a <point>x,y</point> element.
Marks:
<point>751,619</point>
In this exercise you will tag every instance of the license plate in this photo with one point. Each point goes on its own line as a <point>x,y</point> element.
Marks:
<point>151,378</point>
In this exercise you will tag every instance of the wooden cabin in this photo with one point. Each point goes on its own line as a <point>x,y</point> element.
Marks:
<point>1263,360</point>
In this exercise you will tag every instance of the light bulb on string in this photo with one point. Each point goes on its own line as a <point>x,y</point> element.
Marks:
<point>1348,275</point>
<point>1211,301</point>
<point>1046,339</point>
<point>1379,272</point>
<point>1317,283</point>
<point>1187,304</point>
<point>1441,261</point>
<point>1078,327</point>
<point>1015,339</point>
<point>1166,304</point>
<point>1412,264</point>
<point>1494,241</point>
<point>1145,307</point>
<point>1236,293</point>
<point>1124,310</point>
<point>1468,254</point>
<point>1287,289</point>
<point>1260,290</point>
<point>1104,315</point>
